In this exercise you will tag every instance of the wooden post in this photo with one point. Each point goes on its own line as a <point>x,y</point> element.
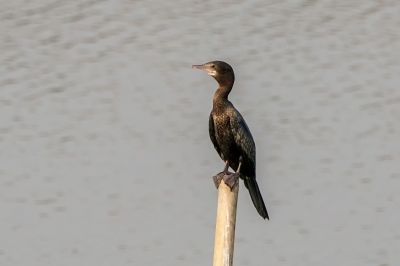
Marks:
<point>225,226</point>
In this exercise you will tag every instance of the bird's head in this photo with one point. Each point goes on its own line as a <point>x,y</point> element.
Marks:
<point>221,71</point>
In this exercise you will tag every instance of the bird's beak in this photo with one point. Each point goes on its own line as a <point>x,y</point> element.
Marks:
<point>201,67</point>
<point>205,67</point>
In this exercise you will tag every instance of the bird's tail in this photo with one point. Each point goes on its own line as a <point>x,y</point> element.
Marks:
<point>256,197</point>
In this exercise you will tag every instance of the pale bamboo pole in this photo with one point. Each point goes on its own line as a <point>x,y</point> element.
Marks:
<point>225,226</point>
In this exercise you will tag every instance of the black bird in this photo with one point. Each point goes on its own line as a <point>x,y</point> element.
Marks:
<point>231,136</point>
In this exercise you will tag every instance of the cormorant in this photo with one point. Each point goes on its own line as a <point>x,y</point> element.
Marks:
<point>231,136</point>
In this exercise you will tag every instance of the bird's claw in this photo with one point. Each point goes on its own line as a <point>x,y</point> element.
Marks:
<point>230,179</point>
<point>217,179</point>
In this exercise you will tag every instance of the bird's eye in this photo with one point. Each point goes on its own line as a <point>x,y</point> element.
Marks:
<point>213,66</point>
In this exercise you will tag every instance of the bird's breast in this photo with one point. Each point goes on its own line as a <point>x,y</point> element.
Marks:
<point>223,134</point>
<point>221,124</point>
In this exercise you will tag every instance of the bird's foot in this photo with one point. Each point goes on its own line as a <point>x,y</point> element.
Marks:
<point>231,179</point>
<point>217,179</point>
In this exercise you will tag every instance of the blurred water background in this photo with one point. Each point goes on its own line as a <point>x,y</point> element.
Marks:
<point>105,157</point>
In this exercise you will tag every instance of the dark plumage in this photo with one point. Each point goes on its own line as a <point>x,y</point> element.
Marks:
<point>229,132</point>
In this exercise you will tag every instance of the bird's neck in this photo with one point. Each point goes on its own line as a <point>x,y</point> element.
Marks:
<point>221,94</point>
